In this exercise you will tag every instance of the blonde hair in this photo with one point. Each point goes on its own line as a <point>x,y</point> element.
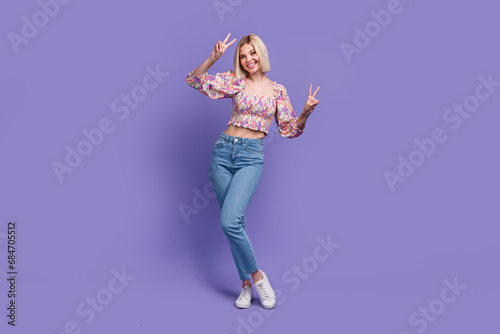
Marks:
<point>260,49</point>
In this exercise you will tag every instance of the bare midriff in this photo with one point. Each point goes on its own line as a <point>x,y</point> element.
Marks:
<point>237,131</point>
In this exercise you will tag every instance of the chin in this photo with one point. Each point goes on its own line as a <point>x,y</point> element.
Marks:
<point>253,70</point>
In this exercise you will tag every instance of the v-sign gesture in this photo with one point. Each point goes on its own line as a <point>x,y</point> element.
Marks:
<point>220,48</point>
<point>311,102</point>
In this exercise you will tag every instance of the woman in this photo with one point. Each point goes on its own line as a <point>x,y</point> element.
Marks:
<point>238,157</point>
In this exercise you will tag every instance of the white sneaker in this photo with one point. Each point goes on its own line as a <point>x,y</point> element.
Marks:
<point>266,292</point>
<point>245,298</point>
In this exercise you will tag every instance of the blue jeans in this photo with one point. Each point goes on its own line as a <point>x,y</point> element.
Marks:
<point>235,171</point>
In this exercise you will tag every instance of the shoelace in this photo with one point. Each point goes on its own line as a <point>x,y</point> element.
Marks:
<point>263,292</point>
<point>245,293</point>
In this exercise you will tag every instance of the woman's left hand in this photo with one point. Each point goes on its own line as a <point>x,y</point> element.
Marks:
<point>311,102</point>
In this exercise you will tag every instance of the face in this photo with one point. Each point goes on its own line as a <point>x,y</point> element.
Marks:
<point>249,59</point>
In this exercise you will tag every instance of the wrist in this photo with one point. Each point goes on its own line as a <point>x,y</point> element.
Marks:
<point>304,115</point>
<point>212,60</point>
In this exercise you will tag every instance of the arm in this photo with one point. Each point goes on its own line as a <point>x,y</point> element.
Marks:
<point>220,85</point>
<point>217,52</point>
<point>203,68</point>
<point>301,121</point>
<point>288,124</point>
<point>216,86</point>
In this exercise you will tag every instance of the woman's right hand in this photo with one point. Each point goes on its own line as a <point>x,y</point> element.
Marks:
<point>220,48</point>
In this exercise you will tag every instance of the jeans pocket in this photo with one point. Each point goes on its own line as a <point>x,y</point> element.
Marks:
<point>219,143</point>
<point>254,148</point>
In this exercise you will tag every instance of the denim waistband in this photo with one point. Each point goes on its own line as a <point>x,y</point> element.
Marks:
<point>227,138</point>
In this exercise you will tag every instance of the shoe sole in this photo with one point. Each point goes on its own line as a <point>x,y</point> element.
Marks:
<point>242,307</point>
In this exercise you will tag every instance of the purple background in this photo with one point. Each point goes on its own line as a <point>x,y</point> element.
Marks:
<point>120,208</point>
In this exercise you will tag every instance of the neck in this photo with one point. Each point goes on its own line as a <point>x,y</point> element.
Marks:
<point>256,77</point>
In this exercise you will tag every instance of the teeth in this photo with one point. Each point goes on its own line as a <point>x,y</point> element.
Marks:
<point>251,65</point>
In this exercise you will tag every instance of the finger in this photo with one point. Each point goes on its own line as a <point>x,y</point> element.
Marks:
<point>316,92</point>
<point>226,38</point>
<point>234,40</point>
<point>220,45</point>
<point>310,89</point>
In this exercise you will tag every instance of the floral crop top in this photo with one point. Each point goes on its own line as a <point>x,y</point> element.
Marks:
<point>249,110</point>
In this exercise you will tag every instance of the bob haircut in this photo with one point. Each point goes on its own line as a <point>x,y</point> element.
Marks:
<point>260,49</point>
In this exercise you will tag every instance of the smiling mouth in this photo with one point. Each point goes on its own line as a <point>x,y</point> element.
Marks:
<point>252,65</point>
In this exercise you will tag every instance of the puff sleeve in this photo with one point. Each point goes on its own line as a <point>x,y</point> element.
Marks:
<point>218,86</point>
<point>285,116</point>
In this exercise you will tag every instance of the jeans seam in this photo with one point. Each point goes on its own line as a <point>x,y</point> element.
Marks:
<point>247,240</point>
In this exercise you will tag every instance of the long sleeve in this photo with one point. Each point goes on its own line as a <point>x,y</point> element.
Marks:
<point>285,116</point>
<point>218,86</point>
